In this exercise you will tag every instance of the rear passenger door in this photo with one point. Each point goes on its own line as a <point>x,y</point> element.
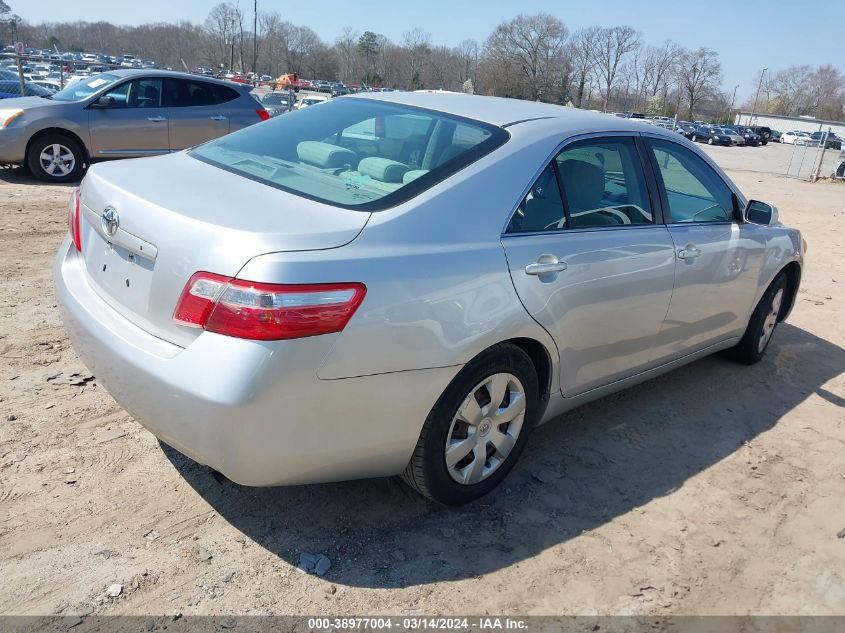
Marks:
<point>194,111</point>
<point>718,258</point>
<point>592,261</point>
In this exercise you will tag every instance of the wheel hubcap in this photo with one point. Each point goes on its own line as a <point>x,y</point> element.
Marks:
<point>771,321</point>
<point>485,428</point>
<point>57,160</point>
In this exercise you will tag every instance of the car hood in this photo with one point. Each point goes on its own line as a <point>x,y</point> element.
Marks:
<point>28,103</point>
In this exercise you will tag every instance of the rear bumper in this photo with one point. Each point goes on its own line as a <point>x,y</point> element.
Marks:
<point>255,411</point>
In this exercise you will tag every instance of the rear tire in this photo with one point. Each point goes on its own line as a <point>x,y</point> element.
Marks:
<point>484,443</point>
<point>56,157</point>
<point>709,141</point>
<point>762,324</point>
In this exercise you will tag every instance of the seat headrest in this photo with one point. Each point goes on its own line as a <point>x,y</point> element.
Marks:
<point>324,154</point>
<point>413,175</point>
<point>583,184</point>
<point>382,169</point>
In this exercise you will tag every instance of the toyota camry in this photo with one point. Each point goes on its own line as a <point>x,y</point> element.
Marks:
<point>408,283</point>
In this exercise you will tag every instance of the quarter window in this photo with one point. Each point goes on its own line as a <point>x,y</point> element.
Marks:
<point>695,192</point>
<point>542,208</point>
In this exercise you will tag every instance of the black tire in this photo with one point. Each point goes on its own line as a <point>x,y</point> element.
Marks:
<point>693,138</point>
<point>427,472</point>
<point>44,145</point>
<point>709,141</point>
<point>748,351</point>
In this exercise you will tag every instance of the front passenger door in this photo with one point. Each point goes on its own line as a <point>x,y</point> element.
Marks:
<point>717,257</point>
<point>135,124</point>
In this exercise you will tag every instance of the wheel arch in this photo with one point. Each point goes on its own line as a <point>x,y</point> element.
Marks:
<point>59,130</point>
<point>793,281</point>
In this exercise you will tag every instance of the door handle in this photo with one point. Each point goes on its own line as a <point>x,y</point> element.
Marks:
<point>546,264</point>
<point>156,119</point>
<point>690,251</point>
<point>218,117</point>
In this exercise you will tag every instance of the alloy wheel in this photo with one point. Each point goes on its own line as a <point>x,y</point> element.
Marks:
<point>485,429</point>
<point>57,160</point>
<point>771,321</point>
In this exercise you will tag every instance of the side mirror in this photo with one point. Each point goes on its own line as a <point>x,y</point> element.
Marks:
<point>757,212</point>
<point>104,102</point>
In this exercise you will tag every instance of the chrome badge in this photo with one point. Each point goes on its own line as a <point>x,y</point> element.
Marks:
<point>110,221</point>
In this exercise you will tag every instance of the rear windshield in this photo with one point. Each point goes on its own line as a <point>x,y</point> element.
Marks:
<point>354,153</point>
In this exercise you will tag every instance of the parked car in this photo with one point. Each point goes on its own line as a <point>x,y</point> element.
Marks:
<point>710,135</point>
<point>736,137</point>
<point>685,129</point>
<point>775,136</point>
<point>310,100</point>
<point>10,89</point>
<point>120,114</point>
<point>763,131</point>
<point>277,103</point>
<point>797,137</point>
<point>51,86</point>
<point>831,141</point>
<point>246,299</point>
<point>338,90</point>
<point>747,134</point>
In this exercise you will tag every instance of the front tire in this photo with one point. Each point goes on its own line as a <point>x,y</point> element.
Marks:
<point>694,138</point>
<point>762,324</point>
<point>709,141</point>
<point>56,158</point>
<point>477,429</point>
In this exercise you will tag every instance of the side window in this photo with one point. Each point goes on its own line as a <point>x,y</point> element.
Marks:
<point>695,192</point>
<point>186,94</point>
<point>542,207</point>
<point>603,183</point>
<point>139,93</point>
<point>222,94</point>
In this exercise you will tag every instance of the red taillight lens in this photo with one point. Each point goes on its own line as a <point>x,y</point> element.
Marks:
<point>73,219</point>
<point>266,312</point>
<point>262,114</point>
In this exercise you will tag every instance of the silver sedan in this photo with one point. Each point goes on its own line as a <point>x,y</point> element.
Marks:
<point>408,283</point>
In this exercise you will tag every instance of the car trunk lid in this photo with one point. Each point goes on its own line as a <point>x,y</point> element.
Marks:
<point>169,217</point>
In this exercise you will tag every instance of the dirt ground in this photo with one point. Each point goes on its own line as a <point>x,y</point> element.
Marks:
<point>717,489</point>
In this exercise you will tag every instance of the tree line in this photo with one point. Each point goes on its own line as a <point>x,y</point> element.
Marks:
<point>534,57</point>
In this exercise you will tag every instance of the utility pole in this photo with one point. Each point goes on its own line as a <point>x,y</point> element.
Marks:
<point>13,27</point>
<point>731,107</point>
<point>757,96</point>
<point>254,35</point>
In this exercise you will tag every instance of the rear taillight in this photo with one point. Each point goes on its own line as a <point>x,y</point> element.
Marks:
<point>266,312</point>
<point>73,219</point>
<point>262,114</point>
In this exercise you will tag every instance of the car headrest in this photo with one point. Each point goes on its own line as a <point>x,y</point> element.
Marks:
<point>413,175</point>
<point>382,169</point>
<point>324,155</point>
<point>583,184</point>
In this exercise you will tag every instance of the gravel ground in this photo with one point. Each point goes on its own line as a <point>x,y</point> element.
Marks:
<point>715,489</point>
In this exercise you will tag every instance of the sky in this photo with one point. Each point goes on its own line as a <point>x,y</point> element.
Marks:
<point>747,35</point>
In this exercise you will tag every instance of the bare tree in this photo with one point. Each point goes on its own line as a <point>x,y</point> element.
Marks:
<point>700,75</point>
<point>611,46</point>
<point>581,58</point>
<point>467,56</point>
<point>418,49</point>
<point>533,46</point>
<point>345,45</point>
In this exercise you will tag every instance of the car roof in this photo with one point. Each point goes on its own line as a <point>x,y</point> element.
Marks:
<point>154,72</point>
<point>503,112</point>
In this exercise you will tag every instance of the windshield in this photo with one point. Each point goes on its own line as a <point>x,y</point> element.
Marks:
<point>85,88</point>
<point>354,153</point>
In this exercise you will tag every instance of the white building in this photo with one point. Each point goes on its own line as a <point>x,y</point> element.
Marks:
<point>791,123</point>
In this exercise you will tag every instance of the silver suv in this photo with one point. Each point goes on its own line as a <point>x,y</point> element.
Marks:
<point>120,114</point>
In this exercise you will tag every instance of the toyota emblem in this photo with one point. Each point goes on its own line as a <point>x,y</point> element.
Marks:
<point>110,221</point>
